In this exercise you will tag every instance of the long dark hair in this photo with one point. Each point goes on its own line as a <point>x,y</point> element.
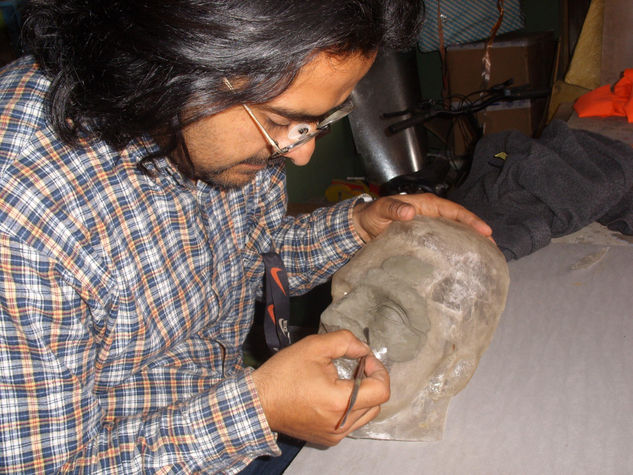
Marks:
<point>124,68</point>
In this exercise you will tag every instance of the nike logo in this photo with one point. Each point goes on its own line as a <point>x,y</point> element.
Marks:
<point>274,271</point>
<point>271,312</point>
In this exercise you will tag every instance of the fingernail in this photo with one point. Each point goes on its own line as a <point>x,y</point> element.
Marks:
<point>402,210</point>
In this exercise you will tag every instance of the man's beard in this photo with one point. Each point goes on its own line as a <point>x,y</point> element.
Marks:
<point>227,178</point>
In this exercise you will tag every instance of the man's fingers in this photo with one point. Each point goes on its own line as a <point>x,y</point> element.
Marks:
<point>431,205</point>
<point>374,388</point>
<point>371,219</point>
<point>338,344</point>
<point>462,215</point>
<point>359,418</point>
<point>395,209</point>
<point>376,370</point>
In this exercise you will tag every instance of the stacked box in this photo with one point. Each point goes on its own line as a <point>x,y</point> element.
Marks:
<point>526,58</point>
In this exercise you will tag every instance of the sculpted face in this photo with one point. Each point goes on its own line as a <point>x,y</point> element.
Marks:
<point>430,292</point>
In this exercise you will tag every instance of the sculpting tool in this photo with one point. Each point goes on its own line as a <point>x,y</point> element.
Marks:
<point>359,375</point>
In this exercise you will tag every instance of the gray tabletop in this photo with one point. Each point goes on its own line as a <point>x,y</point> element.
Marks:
<point>553,393</point>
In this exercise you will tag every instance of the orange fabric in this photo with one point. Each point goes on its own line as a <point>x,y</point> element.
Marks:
<point>608,101</point>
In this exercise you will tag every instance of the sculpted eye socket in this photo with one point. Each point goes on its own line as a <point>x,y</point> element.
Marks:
<point>393,312</point>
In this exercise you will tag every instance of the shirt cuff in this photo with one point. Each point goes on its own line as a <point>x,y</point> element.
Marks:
<point>230,426</point>
<point>363,198</point>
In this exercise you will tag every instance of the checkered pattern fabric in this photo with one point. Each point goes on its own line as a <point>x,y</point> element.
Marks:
<point>125,299</point>
<point>465,22</point>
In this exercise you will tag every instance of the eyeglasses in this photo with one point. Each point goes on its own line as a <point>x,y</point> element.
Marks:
<point>300,133</point>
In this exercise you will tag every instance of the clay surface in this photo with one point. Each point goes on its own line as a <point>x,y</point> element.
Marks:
<point>430,291</point>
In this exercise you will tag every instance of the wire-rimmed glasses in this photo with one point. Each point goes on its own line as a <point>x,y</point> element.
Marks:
<point>301,133</point>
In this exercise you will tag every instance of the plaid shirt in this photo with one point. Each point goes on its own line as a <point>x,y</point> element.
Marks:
<point>125,299</point>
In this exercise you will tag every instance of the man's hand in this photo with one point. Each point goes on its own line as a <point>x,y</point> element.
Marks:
<point>370,219</point>
<point>303,397</point>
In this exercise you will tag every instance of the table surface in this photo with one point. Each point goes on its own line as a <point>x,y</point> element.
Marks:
<point>553,393</point>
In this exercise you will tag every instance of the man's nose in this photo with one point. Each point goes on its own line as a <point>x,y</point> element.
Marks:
<point>301,155</point>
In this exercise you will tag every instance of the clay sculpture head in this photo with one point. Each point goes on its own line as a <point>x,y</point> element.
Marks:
<point>430,292</point>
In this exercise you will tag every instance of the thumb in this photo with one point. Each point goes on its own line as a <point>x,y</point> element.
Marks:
<point>342,343</point>
<point>397,210</point>
<point>372,219</point>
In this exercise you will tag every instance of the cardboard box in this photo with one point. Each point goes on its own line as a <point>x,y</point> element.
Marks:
<point>523,116</point>
<point>526,58</point>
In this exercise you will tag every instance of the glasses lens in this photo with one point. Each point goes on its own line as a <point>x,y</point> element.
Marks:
<point>300,136</point>
<point>306,138</point>
<point>299,131</point>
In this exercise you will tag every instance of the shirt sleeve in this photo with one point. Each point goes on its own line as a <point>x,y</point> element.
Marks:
<point>313,246</point>
<point>51,417</point>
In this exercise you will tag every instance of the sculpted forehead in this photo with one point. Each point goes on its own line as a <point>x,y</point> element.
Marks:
<point>453,253</point>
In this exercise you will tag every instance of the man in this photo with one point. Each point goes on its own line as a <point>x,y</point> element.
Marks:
<point>140,182</point>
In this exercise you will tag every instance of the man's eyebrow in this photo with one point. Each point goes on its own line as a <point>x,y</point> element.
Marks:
<point>293,115</point>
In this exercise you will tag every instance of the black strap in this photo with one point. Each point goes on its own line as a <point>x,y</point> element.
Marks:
<point>276,320</point>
